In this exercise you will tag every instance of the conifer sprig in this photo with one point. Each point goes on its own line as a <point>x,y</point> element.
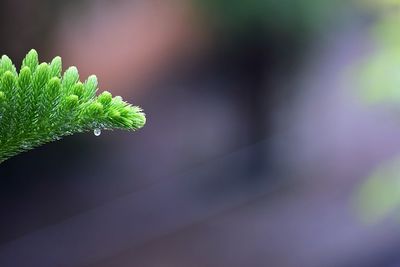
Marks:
<point>40,104</point>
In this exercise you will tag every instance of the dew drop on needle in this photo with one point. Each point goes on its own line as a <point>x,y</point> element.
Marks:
<point>97,132</point>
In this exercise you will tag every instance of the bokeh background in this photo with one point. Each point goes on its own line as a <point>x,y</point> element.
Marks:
<point>273,136</point>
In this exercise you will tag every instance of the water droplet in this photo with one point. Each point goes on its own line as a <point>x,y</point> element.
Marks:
<point>97,132</point>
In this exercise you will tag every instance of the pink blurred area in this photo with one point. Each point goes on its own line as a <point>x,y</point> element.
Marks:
<point>129,44</point>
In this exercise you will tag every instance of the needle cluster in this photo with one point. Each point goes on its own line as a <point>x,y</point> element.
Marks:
<point>40,104</point>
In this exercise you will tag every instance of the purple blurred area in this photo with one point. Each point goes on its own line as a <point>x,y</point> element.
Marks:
<point>254,147</point>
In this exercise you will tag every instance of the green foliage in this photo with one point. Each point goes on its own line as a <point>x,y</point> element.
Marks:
<point>295,16</point>
<point>40,105</point>
<point>379,195</point>
<point>378,72</point>
<point>377,75</point>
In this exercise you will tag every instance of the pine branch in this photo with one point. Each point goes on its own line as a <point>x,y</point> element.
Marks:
<point>39,105</point>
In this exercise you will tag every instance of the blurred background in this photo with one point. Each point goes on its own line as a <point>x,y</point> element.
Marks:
<point>272,136</point>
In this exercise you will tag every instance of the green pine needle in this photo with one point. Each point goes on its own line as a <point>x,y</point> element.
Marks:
<point>40,105</point>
